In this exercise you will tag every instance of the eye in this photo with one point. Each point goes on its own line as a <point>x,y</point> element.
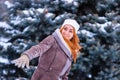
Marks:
<point>65,28</point>
<point>70,31</point>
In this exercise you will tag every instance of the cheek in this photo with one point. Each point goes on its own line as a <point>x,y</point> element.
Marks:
<point>63,32</point>
<point>70,35</point>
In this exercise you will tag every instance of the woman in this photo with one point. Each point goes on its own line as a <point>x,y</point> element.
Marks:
<point>56,53</point>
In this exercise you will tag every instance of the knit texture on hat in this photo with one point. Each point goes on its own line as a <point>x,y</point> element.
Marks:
<point>72,23</point>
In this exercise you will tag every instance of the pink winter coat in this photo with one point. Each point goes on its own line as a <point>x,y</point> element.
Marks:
<point>54,54</point>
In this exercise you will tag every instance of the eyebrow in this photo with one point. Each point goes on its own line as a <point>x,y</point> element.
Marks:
<point>68,26</point>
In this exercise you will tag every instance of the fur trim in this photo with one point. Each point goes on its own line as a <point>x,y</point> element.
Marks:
<point>62,43</point>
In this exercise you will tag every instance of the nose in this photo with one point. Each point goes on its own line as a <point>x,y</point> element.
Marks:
<point>67,31</point>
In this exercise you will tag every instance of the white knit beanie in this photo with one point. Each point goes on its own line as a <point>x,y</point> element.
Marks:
<point>72,23</point>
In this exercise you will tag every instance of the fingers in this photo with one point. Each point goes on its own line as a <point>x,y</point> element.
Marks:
<point>21,63</point>
<point>27,64</point>
<point>17,63</point>
<point>14,61</point>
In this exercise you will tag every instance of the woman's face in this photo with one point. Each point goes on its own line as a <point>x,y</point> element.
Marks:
<point>67,31</point>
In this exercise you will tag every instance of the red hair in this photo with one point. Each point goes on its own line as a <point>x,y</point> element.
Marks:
<point>73,44</point>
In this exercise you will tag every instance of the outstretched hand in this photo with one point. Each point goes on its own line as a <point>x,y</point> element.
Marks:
<point>22,61</point>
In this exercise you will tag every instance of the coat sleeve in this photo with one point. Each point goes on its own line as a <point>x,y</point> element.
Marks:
<point>65,76</point>
<point>40,48</point>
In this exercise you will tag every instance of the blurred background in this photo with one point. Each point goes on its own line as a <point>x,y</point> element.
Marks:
<point>24,23</point>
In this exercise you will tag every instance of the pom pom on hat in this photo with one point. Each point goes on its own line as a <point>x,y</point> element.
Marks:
<point>72,23</point>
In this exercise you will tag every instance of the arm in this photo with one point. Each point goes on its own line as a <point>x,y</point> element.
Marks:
<point>33,52</point>
<point>39,49</point>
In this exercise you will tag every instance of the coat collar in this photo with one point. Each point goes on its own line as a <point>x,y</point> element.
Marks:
<point>62,43</point>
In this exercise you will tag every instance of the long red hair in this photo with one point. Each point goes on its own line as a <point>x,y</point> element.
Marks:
<point>73,44</point>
